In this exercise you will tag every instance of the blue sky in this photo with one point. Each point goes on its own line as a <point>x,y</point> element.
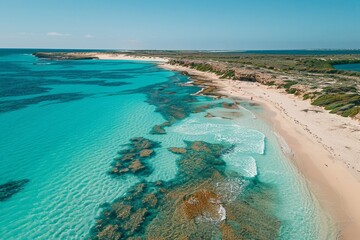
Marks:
<point>180,24</point>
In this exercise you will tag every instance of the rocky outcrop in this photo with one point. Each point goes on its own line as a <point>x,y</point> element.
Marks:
<point>178,150</point>
<point>230,105</point>
<point>160,129</point>
<point>110,232</point>
<point>209,115</point>
<point>204,205</point>
<point>134,159</point>
<point>146,153</point>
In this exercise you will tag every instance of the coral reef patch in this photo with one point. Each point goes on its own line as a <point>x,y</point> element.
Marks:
<point>199,203</point>
<point>134,158</point>
<point>175,106</point>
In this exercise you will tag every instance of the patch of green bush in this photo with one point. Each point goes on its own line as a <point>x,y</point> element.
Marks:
<point>347,105</point>
<point>306,96</point>
<point>335,105</point>
<point>291,90</point>
<point>229,74</point>
<point>203,67</point>
<point>351,112</point>
<point>339,89</point>
<point>317,64</point>
<point>271,83</point>
<point>289,83</point>
<point>327,99</point>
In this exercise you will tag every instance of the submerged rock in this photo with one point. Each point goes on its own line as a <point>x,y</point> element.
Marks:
<point>209,115</point>
<point>133,159</point>
<point>201,202</point>
<point>230,105</point>
<point>146,153</point>
<point>160,129</point>
<point>204,205</point>
<point>130,214</point>
<point>135,221</point>
<point>228,114</point>
<point>12,187</point>
<point>178,150</point>
<point>150,199</point>
<point>172,102</point>
<point>122,211</point>
<point>203,108</point>
<point>110,232</point>
<point>140,143</point>
<point>136,166</point>
<point>128,156</point>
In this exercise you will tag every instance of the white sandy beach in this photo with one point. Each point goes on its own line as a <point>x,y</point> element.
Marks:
<point>326,146</point>
<point>122,56</point>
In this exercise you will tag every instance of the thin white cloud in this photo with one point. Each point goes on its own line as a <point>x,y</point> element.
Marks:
<point>56,34</point>
<point>88,36</point>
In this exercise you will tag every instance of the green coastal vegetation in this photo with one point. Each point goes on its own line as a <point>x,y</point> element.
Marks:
<point>312,77</point>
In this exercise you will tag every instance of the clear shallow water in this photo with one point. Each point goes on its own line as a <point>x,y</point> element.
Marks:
<point>348,67</point>
<point>62,123</point>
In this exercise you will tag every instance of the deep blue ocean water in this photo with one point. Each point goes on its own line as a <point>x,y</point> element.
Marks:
<point>63,122</point>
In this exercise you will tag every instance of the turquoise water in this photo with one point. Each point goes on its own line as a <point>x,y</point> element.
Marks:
<point>348,67</point>
<point>63,122</point>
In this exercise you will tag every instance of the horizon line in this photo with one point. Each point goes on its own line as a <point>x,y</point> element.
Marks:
<point>198,50</point>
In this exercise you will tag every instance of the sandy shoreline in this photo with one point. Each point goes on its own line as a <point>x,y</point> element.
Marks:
<point>122,56</point>
<point>326,147</point>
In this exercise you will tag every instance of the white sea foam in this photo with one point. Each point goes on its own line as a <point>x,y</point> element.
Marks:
<point>283,145</point>
<point>247,110</point>
<point>42,63</point>
<point>222,213</point>
<point>246,140</point>
<point>244,165</point>
<point>230,189</point>
<point>209,217</point>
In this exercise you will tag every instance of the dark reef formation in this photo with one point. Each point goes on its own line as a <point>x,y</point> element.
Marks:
<point>12,105</point>
<point>133,159</point>
<point>17,80</point>
<point>172,102</point>
<point>160,128</point>
<point>204,201</point>
<point>230,105</point>
<point>10,188</point>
